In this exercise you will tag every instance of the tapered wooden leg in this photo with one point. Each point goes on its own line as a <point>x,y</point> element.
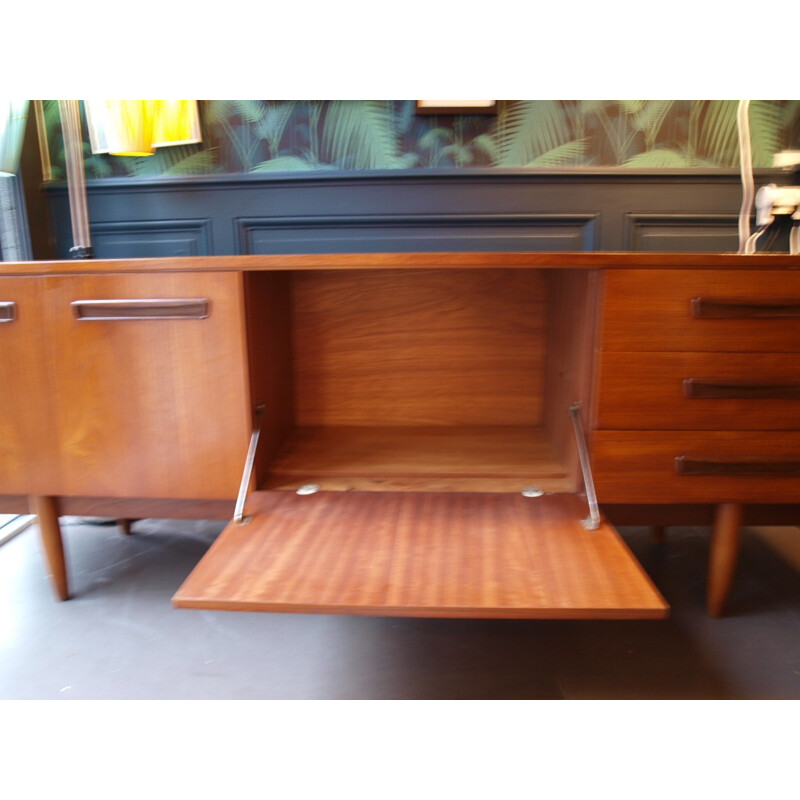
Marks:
<point>125,526</point>
<point>657,533</point>
<point>724,553</point>
<point>46,511</point>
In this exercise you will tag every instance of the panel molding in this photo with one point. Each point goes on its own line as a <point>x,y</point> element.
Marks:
<point>146,238</point>
<point>429,232</point>
<point>642,231</point>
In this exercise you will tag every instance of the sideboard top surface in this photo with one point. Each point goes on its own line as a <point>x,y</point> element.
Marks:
<point>259,263</point>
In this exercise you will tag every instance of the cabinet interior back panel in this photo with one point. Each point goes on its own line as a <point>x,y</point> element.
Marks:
<point>421,347</point>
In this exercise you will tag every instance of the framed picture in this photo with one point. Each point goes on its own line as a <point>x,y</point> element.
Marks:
<point>456,106</point>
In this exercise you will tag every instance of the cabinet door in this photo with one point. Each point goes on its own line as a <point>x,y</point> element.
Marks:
<point>422,554</point>
<point>27,431</point>
<point>150,382</point>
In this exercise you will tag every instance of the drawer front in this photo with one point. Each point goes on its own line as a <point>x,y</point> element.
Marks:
<point>696,466</point>
<point>701,310</point>
<point>27,429</point>
<point>149,372</point>
<point>698,391</point>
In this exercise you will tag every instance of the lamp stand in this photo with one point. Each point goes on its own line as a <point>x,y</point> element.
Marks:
<point>76,179</point>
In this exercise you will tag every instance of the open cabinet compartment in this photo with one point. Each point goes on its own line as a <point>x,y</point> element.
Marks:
<point>421,402</point>
<point>419,379</point>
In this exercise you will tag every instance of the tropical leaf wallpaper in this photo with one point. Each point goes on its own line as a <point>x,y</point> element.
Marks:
<point>242,136</point>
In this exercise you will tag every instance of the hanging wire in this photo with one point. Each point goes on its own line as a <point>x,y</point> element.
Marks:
<point>750,244</point>
<point>770,240</point>
<point>794,239</point>
<point>76,179</point>
<point>748,185</point>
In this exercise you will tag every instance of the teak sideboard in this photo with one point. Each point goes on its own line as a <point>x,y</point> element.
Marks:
<point>413,434</point>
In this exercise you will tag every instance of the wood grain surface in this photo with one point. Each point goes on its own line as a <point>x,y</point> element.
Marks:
<point>268,309</point>
<point>572,298</point>
<point>432,347</point>
<point>149,408</point>
<point>730,262</point>
<point>647,310</point>
<point>14,504</point>
<point>366,457</point>
<point>27,429</point>
<point>47,513</point>
<point>421,554</point>
<point>639,466</point>
<point>724,554</point>
<point>145,508</point>
<point>646,391</point>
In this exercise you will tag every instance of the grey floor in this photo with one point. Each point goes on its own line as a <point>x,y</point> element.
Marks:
<point>119,638</point>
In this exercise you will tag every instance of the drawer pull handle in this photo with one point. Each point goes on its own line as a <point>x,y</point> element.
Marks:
<point>8,311</point>
<point>698,389</point>
<point>742,308</point>
<point>106,310</point>
<point>691,465</point>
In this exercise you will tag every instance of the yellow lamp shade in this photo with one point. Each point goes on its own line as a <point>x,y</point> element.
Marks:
<point>138,127</point>
<point>176,122</point>
<point>129,127</point>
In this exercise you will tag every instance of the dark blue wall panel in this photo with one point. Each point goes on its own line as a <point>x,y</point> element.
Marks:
<point>151,239</point>
<point>502,210</point>
<point>410,233</point>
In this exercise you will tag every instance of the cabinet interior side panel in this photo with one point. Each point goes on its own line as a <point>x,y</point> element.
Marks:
<point>571,317</point>
<point>418,348</point>
<point>268,314</point>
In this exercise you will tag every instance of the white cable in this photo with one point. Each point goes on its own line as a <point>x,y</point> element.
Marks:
<point>748,185</point>
<point>750,245</point>
<point>794,240</point>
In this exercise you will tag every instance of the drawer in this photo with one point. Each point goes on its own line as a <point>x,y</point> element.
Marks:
<point>696,466</point>
<point>698,391</point>
<point>701,310</point>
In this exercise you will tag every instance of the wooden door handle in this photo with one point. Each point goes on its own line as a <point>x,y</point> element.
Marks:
<point>110,310</point>
<point>8,311</point>
<point>701,388</point>
<point>744,308</point>
<point>711,465</point>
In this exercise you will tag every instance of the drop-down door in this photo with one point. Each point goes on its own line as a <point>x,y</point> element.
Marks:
<point>422,554</point>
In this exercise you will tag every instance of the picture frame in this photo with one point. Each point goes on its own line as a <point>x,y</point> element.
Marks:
<point>456,107</point>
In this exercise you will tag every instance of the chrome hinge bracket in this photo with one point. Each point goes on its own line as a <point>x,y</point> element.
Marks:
<point>238,512</point>
<point>592,522</point>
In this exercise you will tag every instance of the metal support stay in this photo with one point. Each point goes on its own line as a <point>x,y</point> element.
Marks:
<point>592,522</point>
<point>238,512</point>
